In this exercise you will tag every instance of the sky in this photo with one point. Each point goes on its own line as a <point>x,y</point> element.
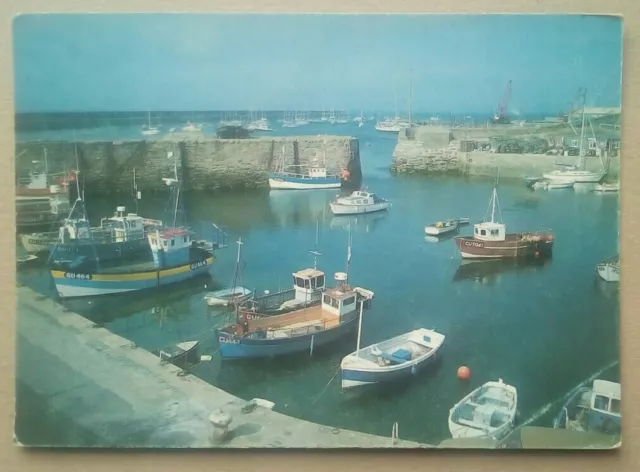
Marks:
<point>455,63</point>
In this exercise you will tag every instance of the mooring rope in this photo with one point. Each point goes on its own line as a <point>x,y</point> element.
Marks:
<point>325,387</point>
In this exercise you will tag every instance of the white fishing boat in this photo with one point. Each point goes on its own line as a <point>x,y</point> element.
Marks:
<point>235,294</point>
<point>613,187</point>
<point>150,130</point>
<point>578,173</point>
<point>359,202</point>
<point>444,226</point>
<point>392,360</point>
<point>488,411</point>
<point>609,269</point>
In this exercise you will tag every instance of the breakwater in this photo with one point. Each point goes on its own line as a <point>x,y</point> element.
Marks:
<point>433,149</point>
<point>204,163</point>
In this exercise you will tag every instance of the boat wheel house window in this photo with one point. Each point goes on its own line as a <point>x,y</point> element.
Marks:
<point>317,282</point>
<point>494,232</point>
<point>483,232</point>
<point>349,301</point>
<point>173,242</point>
<point>615,406</point>
<point>601,403</point>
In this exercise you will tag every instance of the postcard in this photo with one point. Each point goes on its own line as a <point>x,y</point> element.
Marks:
<point>317,231</point>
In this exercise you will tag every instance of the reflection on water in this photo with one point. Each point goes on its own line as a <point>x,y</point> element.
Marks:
<point>365,223</point>
<point>488,272</point>
<point>290,208</point>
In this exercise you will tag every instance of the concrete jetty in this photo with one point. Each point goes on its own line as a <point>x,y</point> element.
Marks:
<point>204,162</point>
<point>479,151</point>
<point>125,397</point>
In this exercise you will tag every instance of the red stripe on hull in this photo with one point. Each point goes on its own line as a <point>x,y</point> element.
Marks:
<point>471,248</point>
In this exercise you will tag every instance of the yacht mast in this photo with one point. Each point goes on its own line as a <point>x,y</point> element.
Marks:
<point>582,159</point>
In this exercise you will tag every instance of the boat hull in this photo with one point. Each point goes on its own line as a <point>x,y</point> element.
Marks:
<point>337,209</point>
<point>608,272</point>
<point>433,230</point>
<point>284,182</point>
<point>38,242</point>
<point>513,246</point>
<point>237,347</point>
<point>88,283</point>
<point>575,177</point>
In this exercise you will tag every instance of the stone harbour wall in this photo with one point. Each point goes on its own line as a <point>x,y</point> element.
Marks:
<point>204,163</point>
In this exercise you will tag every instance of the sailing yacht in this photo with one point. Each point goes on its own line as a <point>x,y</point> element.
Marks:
<point>149,130</point>
<point>578,173</point>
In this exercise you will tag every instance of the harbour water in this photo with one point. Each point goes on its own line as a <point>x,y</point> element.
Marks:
<point>544,328</point>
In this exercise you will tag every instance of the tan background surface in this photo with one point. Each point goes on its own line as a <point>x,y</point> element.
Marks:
<point>14,458</point>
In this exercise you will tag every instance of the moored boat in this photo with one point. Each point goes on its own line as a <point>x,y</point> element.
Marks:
<point>559,184</point>
<point>609,269</point>
<point>235,294</point>
<point>359,202</point>
<point>443,227</point>
<point>392,360</point>
<point>489,411</point>
<point>181,354</point>
<point>22,262</point>
<point>595,408</point>
<point>294,177</point>
<point>607,187</point>
<point>490,239</point>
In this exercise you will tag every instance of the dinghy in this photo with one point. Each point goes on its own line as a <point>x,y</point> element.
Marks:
<point>391,360</point>
<point>444,226</point>
<point>488,411</point>
<point>609,269</point>
<point>607,187</point>
<point>559,184</point>
<point>180,354</point>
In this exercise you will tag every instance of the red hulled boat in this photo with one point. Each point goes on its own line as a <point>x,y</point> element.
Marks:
<point>490,240</point>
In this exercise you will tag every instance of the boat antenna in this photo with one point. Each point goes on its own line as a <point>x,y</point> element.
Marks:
<point>235,274</point>
<point>349,252</point>
<point>315,252</point>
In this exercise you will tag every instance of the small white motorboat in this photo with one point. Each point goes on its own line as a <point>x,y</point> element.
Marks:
<point>609,269</point>
<point>607,187</point>
<point>227,295</point>
<point>392,360</point>
<point>359,202</point>
<point>559,184</point>
<point>444,226</point>
<point>488,411</point>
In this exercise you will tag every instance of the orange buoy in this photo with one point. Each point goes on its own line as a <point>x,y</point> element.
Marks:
<point>464,372</point>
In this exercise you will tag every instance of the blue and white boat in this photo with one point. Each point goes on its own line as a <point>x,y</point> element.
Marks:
<point>595,408</point>
<point>299,330</point>
<point>393,360</point>
<point>294,177</point>
<point>175,257</point>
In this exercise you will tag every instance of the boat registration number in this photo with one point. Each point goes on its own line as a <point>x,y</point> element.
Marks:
<point>74,275</point>
<point>226,340</point>
<point>39,242</point>
<point>473,244</point>
<point>197,265</point>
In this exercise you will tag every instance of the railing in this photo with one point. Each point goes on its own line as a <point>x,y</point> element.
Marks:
<point>268,302</point>
<point>289,333</point>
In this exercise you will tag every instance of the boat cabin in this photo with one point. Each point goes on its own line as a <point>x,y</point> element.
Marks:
<point>489,231</point>
<point>306,283</point>
<point>604,405</point>
<point>124,227</point>
<point>170,247</point>
<point>338,302</point>
<point>317,171</point>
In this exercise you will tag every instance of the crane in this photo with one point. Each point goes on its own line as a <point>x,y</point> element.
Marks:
<point>501,115</point>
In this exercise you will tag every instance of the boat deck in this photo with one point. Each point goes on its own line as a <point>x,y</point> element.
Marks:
<point>314,315</point>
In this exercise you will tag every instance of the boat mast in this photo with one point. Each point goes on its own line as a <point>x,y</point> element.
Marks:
<point>315,252</point>
<point>349,253</point>
<point>235,274</point>
<point>46,167</point>
<point>582,159</point>
<point>410,97</point>
<point>359,328</point>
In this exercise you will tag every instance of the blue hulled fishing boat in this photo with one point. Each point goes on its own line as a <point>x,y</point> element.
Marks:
<point>312,316</point>
<point>295,177</point>
<point>175,256</point>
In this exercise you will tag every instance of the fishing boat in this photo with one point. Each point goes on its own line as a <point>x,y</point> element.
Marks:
<point>592,409</point>
<point>293,177</point>
<point>176,257</point>
<point>578,173</point>
<point>445,226</point>
<point>41,183</point>
<point>609,269</point>
<point>392,360</point>
<point>488,411</point>
<point>181,354</point>
<point>233,295</point>
<point>607,187</point>
<point>357,203</point>
<point>490,239</point>
<point>302,329</point>
<point>150,130</point>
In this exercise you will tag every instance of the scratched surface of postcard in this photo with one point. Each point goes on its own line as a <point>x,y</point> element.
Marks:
<point>317,231</point>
